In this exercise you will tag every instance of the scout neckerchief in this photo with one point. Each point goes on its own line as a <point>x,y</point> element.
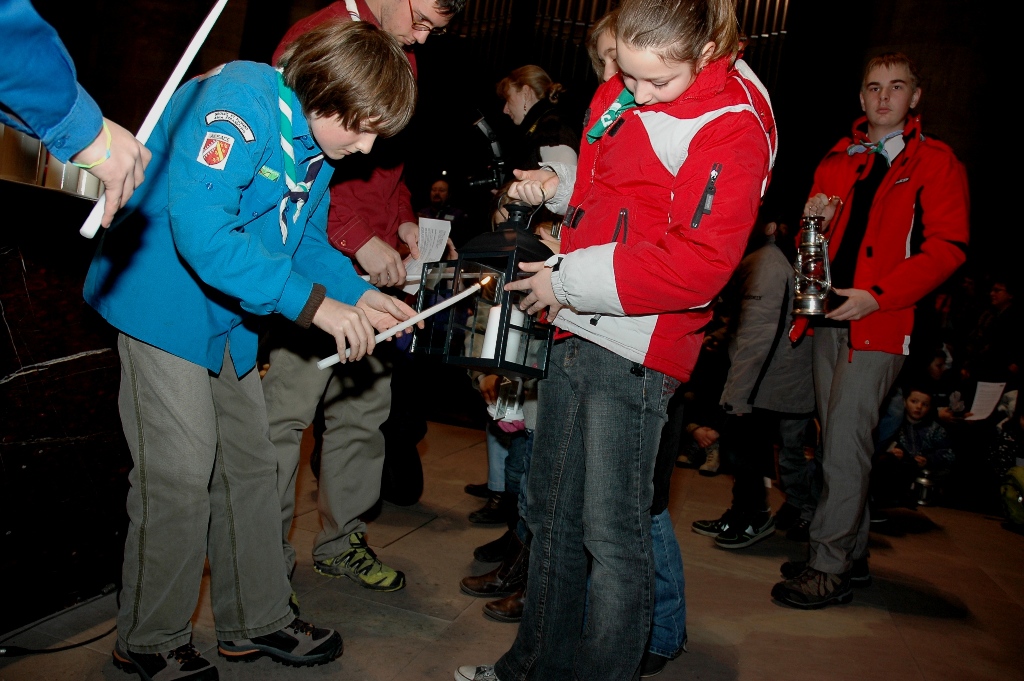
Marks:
<point>298,192</point>
<point>623,102</point>
<point>884,147</point>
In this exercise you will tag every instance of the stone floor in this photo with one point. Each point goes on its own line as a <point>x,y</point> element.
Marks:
<point>947,600</point>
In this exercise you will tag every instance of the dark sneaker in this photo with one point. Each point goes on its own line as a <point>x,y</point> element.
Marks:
<point>300,644</point>
<point>800,531</point>
<point>742,534</point>
<point>481,490</point>
<point>471,673</point>
<point>361,565</point>
<point>713,528</point>
<point>652,664</point>
<point>860,576</point>
<point>181,664</point>
<point>812,590</point>
<point>493,551</point>
<point>787,516</point>
<point>491,513</point>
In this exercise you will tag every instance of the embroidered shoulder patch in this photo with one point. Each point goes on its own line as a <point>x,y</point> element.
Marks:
<point>215,150</point>
<point>269,173</point>
<point>235,120</point>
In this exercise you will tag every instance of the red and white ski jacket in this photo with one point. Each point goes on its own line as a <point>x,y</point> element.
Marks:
<point>660,215</point>
<point>917,229</point>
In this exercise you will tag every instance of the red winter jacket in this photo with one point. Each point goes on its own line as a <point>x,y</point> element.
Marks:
<point>368,197</point>
<point>917,229</point>
<point>660,215</point>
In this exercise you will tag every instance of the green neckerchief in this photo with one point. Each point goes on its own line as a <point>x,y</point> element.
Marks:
<point>623,102</point>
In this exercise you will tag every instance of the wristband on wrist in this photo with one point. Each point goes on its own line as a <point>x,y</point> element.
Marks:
<point>90,166</point>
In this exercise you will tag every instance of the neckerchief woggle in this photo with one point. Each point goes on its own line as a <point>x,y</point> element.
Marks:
<point>621,104</point>
<point>298,192</point>
<point>880,147</point>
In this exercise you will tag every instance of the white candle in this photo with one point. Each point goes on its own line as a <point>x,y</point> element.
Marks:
<point>92,223</point>
<point>408,323</point>
<point>517,317</point>
<point>491,333</point>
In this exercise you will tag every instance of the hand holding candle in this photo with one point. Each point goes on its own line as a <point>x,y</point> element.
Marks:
<point>409,323</point>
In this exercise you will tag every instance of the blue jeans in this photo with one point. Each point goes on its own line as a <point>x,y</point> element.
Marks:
<point>589,494</point>
<point>668,630</point>
<point>517,467</point>
<point>497,450</point>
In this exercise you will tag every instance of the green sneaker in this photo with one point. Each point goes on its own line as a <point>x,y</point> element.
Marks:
<point>360,563</point>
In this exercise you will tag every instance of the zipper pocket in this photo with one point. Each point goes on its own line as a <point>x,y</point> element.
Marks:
<point>704,207</point>
<point>621,225</point>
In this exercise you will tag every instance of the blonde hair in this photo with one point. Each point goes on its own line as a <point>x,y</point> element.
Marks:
<point>678,30</point>
<point>890,60</point>
<point>534,77</point>
<point>355,71</point>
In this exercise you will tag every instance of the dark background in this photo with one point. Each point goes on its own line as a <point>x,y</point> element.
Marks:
<point>63,460</point>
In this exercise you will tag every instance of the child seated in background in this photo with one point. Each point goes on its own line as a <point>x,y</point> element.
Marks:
<point>920,443</point>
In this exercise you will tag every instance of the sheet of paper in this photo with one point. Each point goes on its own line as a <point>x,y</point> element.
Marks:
<point>986,397</point>
<point>433,241</point>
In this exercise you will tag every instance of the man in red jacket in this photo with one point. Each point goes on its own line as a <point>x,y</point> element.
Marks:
<point>895,207</point>
<point>370,215</point>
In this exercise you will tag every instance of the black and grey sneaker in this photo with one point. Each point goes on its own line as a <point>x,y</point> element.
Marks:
<point>713,528</point>
<point>860,576</point>
<point>299,644</point>
<point>812,589</point>
<point>184,663</point>
<point>739,535</point>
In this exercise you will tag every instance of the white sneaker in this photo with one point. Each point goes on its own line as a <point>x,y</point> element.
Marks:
<point>470,673</point>
<point>710,466</point>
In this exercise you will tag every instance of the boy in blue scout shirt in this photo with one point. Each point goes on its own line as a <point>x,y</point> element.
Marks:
<point>230,226</point>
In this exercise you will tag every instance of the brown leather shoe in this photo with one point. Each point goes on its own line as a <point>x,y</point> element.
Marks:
<point>494,512</point>
<point>505,579</point>
<point>507,609</point>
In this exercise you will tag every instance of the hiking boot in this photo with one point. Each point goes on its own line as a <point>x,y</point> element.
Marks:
<point>184,663</point>
<point>361,565</point>
<point>787,516</point>
<point>471,673</point>
<point>860,576</point>
<point>293,603</point>
<point>812,589</point>
<point>299,644</point>
<point>800,531</point>
<point>711,464</point>
<point>739,535</point>
<point>713,528</point>
<point>493,551</point>
<point>494,512</point>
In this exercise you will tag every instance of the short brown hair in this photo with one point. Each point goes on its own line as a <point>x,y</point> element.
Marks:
<point>677,31</point>
<point>355,71</point>
<point>534,77</point>
<point>605,23</point>
<point>890,60</point>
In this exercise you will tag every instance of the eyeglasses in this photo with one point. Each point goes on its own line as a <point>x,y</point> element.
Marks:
<point>420,26</point>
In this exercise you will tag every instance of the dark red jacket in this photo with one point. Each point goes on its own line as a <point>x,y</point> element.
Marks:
<point>368,197</point>
<point>917,229</point>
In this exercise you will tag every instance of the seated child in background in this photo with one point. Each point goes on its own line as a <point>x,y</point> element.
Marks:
<point>919,443</point>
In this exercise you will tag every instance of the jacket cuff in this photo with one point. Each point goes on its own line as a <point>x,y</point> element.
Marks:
<point>316,298</point>
<point>559,203</point>
<point>557,287</point>
<point>350,236</point>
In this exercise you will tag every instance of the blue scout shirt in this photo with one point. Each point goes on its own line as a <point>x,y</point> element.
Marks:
<point>198,249</point>
<point>39,93</point>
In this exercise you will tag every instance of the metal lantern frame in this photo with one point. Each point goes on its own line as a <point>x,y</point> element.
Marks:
<point>810,291</point>
<point>521,343</point>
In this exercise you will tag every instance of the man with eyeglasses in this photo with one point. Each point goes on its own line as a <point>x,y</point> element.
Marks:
<point>371,215</point>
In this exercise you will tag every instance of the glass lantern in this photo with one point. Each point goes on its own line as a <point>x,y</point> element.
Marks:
<point>487,332</point>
